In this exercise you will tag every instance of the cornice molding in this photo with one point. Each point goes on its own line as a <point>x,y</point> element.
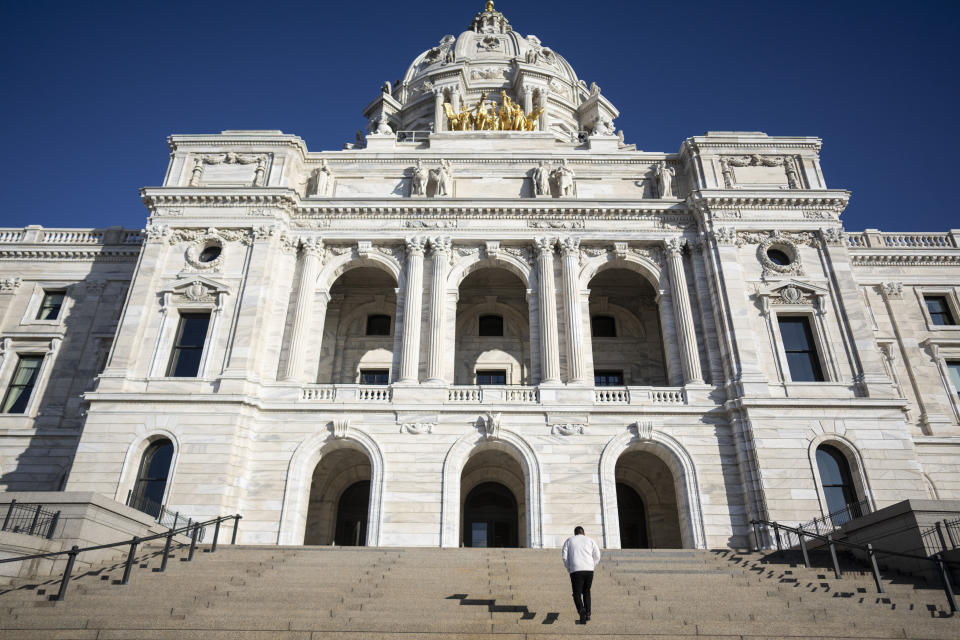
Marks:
<point>918,259</point>
<point>51,254</point>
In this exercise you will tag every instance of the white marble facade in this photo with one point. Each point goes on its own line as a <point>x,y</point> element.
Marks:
<point>290,252</point>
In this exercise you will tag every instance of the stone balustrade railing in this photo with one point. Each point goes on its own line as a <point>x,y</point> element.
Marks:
<point>639,395</point>
<point>40,235</point>
<point>498,394</point>
<point>346,393</point>
<point>873,239</point>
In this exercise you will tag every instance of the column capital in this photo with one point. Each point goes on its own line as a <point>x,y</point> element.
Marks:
<point>544,245</point>
<point>439,244</point>
<point>570,245</point>
<point>312,246</point>
<point>674,246</point>
<point>415,245</point>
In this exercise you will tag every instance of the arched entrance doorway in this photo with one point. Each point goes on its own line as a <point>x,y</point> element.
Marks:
<point>633,518</point>
<point>649,494</point>
<point>352,508</point>
<point>490,517</point>
<point>492,501</point>
<point>339,499</point>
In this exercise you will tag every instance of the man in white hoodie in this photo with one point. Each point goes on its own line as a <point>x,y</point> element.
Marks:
<point>580,556</point>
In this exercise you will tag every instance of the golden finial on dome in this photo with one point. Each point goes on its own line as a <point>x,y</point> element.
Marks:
<point>489,6</point>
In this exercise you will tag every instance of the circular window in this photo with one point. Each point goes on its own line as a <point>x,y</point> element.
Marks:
<point>778,257</point>
<point>209,253</point>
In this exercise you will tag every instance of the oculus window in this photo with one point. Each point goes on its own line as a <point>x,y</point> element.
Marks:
<point>21,386</point>
<point>374,376</point>
<point>492,376</point>
<point>939,310</point>
<point>603,327</point>
<point>378,325</point>
<point>491,326</point>
<point>50,305</point>
<point>188,345</point>
<point>800,349</point>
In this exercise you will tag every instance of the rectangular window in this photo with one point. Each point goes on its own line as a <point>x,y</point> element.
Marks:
<point>802,359</point>
<point>939,310</point>
<point>953,368</point>
<point>378,325</point>
<point>492,377</point>
<point>21,386</point>
<point>374,376</point>
<point>50,307</point>
<point>188,345</point>
<point>608,378</point>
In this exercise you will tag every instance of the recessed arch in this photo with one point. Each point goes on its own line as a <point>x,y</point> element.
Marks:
<point>502,260</point>
<point>677,459</point>
<point>854,459</point>
<point>134,456</point>
<point>453,464</point>
<point>339,265</point>
<point>296,494</point>
<point>650,270</point>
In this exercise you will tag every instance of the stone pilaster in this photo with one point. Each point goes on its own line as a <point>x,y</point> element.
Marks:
<point>547,303</point>
<point>440,253</point>
<point>245,340</point>
<point>686,332</point>
<point>570,248</point>
<point>413,299</point>
<point>311,252</point>
<point>439,117</point>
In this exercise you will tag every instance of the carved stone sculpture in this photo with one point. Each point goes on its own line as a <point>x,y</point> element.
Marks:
<point>541,180</point>
<point>382,127</point>
<point>602,127</point>
<point>664,175</point>
<point>443,178</point>
<point>418,183</point>
<point>563,179</point>
<point>321,179</point>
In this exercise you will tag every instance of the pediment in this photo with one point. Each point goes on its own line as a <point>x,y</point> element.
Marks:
<point>196,289</point>
<point>791,292</point>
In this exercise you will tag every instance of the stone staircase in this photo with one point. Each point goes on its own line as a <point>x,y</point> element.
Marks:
<point>309,593</point>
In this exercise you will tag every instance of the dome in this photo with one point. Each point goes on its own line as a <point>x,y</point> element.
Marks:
<point>491,59</point>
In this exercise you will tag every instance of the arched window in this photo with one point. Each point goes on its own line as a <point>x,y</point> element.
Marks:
<point>836,479</point>
<point>491,325</point>
<point>152,477</point>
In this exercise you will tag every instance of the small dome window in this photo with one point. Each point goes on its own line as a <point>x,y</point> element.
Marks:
<point>210,253</point>
<point>779,257</point>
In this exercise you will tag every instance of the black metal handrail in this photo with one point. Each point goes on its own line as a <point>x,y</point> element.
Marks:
<point>942,536</point>
<point>834,520</point>
<point>30,519</point>
<point>193,528</point>
<point>867,548</point>
<point>159,512</point>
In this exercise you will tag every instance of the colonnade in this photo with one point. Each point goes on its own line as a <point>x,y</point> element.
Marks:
<point>308,319</point>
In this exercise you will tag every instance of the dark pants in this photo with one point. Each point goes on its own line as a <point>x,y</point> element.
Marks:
<point>581,581</point>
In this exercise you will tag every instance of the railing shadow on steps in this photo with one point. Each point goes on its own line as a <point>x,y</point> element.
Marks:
<point>867,549</point>
<point>192,531</point>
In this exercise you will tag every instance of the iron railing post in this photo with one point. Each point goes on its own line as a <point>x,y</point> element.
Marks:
<point>216,534</point>
<point>953,543</point>
<point>236,525</point>
<point>873,566</point>
<point>71,558</point>
<point>947,587</point>
<point>193,541</point>
<point>6,520</point>
<point>803,547</point>
<point>816,526</point>
<point>943,538</point>
<point>130,558</point>
<point>833,556</point>
<point>33,523</point>
<point>53,525</point>
<point>166,551</point>
<point>776,534</point>
<point>756,535</point>
<point>129,497</point>
<point>176,516</point>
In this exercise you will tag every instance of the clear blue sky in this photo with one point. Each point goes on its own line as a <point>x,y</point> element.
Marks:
<point>92,89</point>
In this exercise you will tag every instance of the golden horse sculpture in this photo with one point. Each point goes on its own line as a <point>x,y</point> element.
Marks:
<point>509,117</point>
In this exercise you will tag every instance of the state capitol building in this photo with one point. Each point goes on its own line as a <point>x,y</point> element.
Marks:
<point>488,320</point>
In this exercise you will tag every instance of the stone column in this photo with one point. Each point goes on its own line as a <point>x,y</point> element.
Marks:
<point>244,342</point>
<point>570,247</point>
<point>686,332</point>
<point>438,115</point>
<point>413,298</point>
<point>527,100</point>
<point>545,118</point>
<point>311,259</point>
<point>440,252</point>
<point>547,304</point>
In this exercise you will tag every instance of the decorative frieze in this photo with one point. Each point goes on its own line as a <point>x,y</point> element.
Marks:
<point>10,284</point>
<point>567,429</point>
<point>892,290</point>
<point>417,428</point>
